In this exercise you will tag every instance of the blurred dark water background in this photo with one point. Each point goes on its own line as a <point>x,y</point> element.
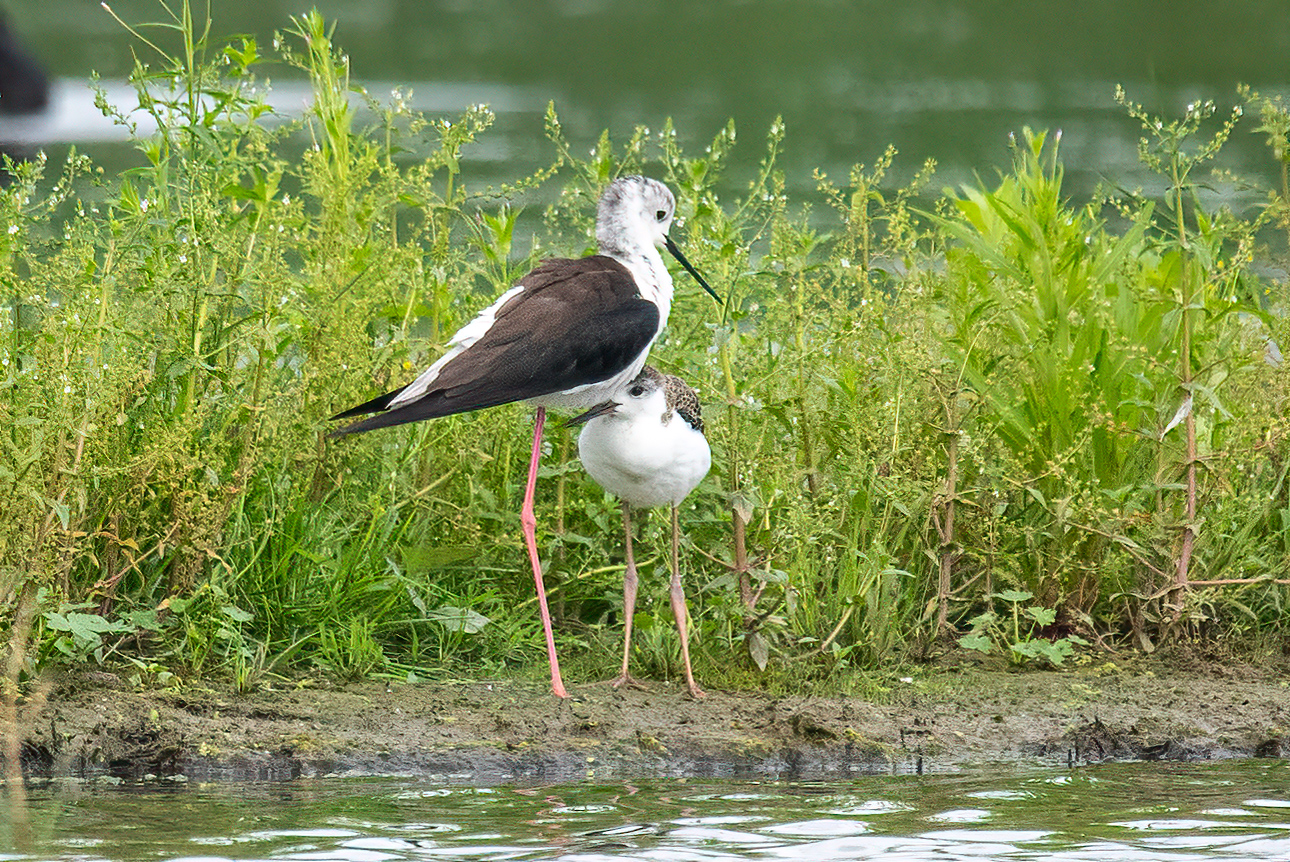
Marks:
<point>939,79</point>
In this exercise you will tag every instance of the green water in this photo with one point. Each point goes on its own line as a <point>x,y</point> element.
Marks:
<point>1113,812</point>
<point>941,79</point>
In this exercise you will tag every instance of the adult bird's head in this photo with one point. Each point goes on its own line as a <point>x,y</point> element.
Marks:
<point>638,211</point>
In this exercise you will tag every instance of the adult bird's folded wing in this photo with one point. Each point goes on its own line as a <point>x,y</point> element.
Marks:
<point>574,322</point>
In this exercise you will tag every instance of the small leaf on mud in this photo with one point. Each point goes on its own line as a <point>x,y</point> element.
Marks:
<point>1054,652</point>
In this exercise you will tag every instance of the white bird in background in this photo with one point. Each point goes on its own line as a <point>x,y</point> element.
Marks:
<point>569,335</point>
<point>646,447</point>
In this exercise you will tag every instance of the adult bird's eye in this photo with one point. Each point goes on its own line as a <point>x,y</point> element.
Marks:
<point>661,215</point>
<point>636,391</point>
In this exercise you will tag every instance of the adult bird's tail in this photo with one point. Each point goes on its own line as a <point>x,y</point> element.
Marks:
<point>379,405</point>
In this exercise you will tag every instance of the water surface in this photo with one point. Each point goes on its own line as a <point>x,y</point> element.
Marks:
<point>937,78</point>
<point>1234,810</point>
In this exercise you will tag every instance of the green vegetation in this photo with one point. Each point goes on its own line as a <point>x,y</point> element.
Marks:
<point>993,414</point>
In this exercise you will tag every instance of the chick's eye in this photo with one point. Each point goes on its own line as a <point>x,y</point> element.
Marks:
<point>661,215</point>
<point>636,391</point>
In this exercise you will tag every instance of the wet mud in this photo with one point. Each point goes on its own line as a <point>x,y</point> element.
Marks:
<point>508,731</point>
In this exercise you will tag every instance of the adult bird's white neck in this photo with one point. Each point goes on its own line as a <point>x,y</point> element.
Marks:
<point>652,279</point>
<point>632,222</point>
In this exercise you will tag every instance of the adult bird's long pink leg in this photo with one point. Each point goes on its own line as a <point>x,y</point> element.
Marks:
<point>528,523</point>
<point>629,601</point>
<point>680,611</point>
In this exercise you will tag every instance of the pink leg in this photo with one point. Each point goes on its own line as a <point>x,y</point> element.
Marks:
<point>680,611</point>
<point>629,602</point>
<point>528,522</point>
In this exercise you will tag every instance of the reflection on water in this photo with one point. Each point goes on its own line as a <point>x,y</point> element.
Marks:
<point>1109,812</point>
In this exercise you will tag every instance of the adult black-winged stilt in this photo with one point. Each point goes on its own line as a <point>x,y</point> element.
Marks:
<point>569,335</point>
<point>646,447</point>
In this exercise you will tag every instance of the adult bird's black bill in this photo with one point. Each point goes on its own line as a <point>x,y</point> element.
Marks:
<point>676,253</point>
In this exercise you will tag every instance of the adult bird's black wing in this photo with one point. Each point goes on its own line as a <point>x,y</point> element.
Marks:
<point>575,322</point>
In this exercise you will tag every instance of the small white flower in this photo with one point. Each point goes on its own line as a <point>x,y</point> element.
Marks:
<point>13,229</point>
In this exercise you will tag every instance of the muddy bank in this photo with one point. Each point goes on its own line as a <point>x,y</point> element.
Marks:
<point>492,732</point>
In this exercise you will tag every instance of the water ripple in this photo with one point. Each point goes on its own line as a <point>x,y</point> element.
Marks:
<point>1111,813</point>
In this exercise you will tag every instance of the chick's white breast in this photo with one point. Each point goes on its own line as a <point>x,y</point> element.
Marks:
<point>643,463</point>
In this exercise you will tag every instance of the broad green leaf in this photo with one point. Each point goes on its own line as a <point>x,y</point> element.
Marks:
<point>980,643</point>
<point>456,619</point>
<point>1014,596</point>
<point>758,649</point>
